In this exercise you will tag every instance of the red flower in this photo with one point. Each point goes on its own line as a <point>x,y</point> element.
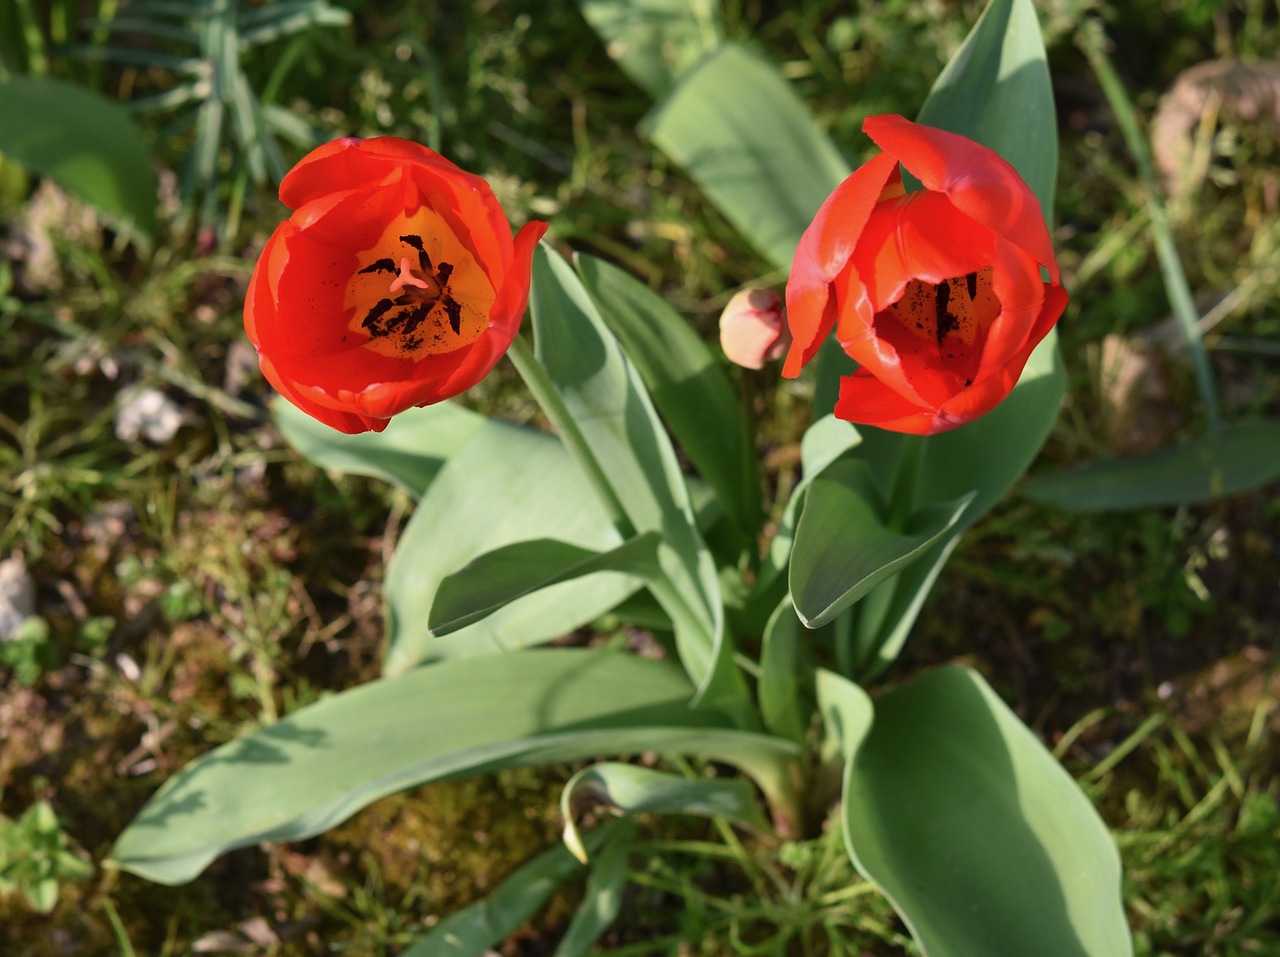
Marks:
<point>395,283</point>
<point>936,293</point>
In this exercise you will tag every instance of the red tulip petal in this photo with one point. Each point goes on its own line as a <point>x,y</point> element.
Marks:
<point>981,183</point>
<point>343,421</point>
<point>865,400</point>
<point>1017,284</point>
<point>513,296</point>
<point>822,253</point>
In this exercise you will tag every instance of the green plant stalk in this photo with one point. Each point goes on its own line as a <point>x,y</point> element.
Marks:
<point>1091,41</point>
<point>544,393</point>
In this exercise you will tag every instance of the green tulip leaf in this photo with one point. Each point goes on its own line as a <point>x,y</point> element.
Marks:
<point>507,484</point>
<point>654,41</point>
<point>602,898</point>
<point>785,685</point>
<point>1240,457</point>
<point>750,143</point>
<point>321,764</point>
<point>601,409</point>
<point>632,790</point>
<point>409,453</point>
<point>996,90</point>
<point>505,574</point>
<point>844,547</point>
<point>83,141</point>
<point>476,929</point>
<point>978,837</point>
<point>687,385</point>
<point>846,712</point>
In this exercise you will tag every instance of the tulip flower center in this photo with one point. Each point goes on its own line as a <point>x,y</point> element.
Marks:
<point>418,292</point>
<point>949,316</point>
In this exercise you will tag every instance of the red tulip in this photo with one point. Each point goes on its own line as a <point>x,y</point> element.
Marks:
<point>937,293</point>
<point>395,283</point>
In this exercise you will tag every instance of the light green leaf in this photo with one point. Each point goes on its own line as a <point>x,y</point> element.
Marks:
<point>506,574</point>
<point>844,547</point>
<point>507,484</point>
<point>609,425</point>
<point>996,90</point>
<point>687,385</point>
<point>1241,457</point>
<point>86,143</point>
<point>408,453</point>
<point>979,838</point>
<point>847,715</point>
<point>602,899</point>
<point>785,685</point>
<point>474,930</point>
<point>745,137</point>
<point>654,41</point>
<point>633,790</point>
<point>321,764</point>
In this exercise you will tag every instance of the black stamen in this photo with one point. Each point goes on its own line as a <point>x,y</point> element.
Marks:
<point>945,321</point>
<point>443,274</point>
<point>412,318</point>
<point>382,265</point>
<point>454,311</point>
<point>414,241</point>
<point>376,313</point>
<point>971,281</point>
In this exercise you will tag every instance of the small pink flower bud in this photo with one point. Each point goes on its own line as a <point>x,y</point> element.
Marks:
<point>752,328</point>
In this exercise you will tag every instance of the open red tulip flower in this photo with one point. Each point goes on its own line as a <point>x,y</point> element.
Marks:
<point>936,293</point>
<point>395,283</point>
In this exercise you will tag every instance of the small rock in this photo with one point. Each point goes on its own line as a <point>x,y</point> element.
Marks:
<point>150,414</point>
<point>17,596</point>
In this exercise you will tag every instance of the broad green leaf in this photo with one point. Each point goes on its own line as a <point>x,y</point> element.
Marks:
<point>633,790</point>
<point>608,423</point>
<point>986,456</point>
<point>824,441</point>
<point>744,136</point>
<point>996,90</point>
<point>847,714</point>
<point>844,547</point>
<point>84,142</point>
<point>507,484</point>
<point>408,453</point>
<point>321,764</point>
<point>785,686</point>
<point>687,385</point>
<point>602,898</point>
<point>979,838</point>
<point>1241,457</point>
<point>501,576</point>
<point>654,41</point>
<point>475,930</point>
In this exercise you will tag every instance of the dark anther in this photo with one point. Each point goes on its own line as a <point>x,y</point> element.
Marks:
<point>971,281</point>
<point>382,265</point>
<point>443,274</point>
<point>454,311</point>
<point>945,321</point>
<point>412,318</point>
<point>376,313</point>
<point>414,241</point>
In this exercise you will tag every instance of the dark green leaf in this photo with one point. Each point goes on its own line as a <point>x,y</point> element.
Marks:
<point>752,145</point>
<point>408,453</point>
<point>84,142</point>
<point>602,899</point>
<point>996,90</point>
<point>475,930</point>
<point>653,41</point>
<point>785,685</point>
<point>1240,457</point>
<point>505,574</point>
<point>321,764</point>
<point>979,838</point>
<point>844,547</point>
<point>687,385</point>
<point>507,484</point>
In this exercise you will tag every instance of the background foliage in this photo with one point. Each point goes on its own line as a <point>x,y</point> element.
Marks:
<point>188,588</point>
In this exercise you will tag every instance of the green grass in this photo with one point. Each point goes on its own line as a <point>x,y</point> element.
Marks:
<point>193,589</point>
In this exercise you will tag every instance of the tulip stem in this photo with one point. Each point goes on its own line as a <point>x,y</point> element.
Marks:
<point>544,392</point>
<point>903,498</point>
